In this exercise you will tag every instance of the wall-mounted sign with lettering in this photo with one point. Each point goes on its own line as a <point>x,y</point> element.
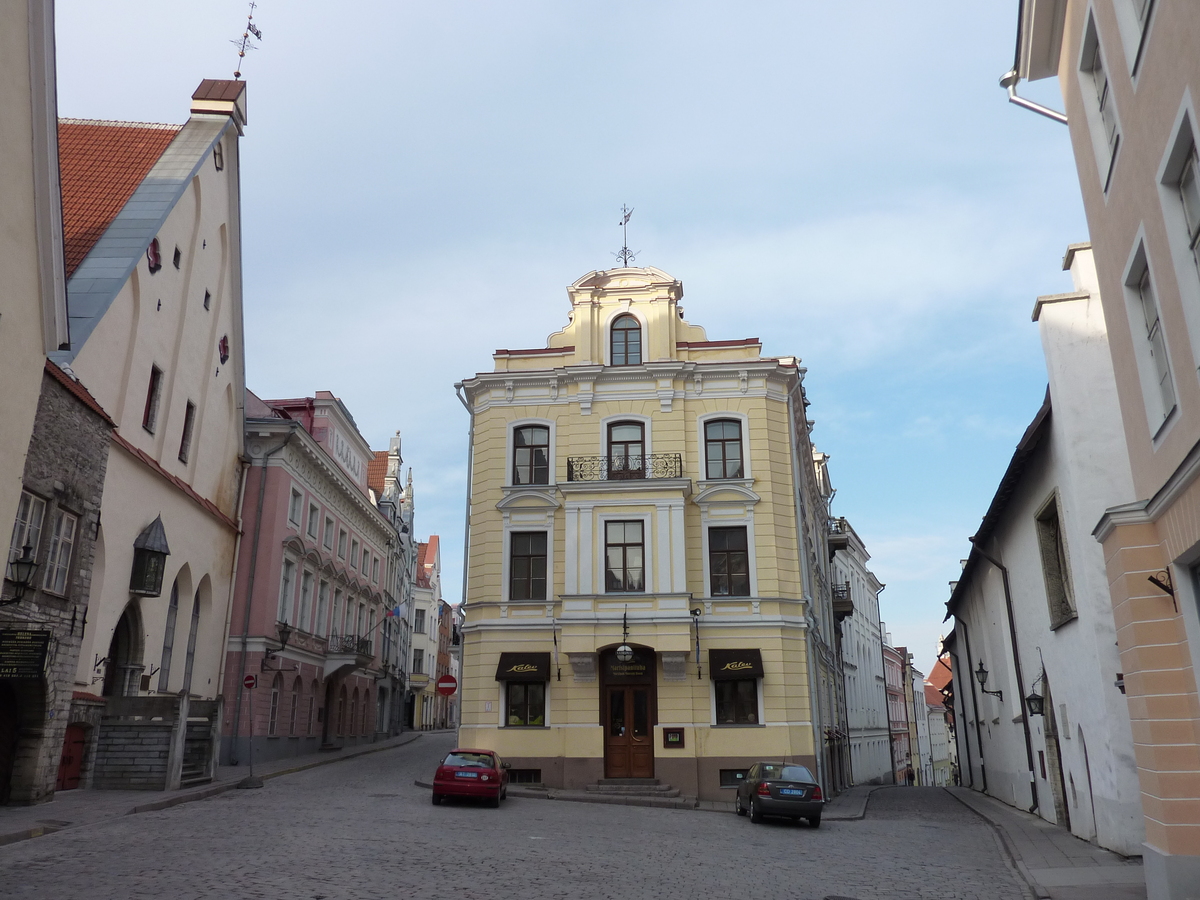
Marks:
<point>639,670</point>
<point>731,665</point>
<point>23,653</point>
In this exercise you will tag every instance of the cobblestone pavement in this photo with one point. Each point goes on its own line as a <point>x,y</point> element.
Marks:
<point>361,829</point>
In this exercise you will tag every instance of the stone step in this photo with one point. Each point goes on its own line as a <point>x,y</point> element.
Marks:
<point>633,790</point>
<point>628,781</point>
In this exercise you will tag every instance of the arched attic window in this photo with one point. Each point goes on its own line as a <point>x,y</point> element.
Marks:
<point>626,342</point>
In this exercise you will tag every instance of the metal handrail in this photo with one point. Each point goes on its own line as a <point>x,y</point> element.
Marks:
<point>621,468</point>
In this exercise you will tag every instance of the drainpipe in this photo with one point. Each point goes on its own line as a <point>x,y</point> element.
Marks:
<point>243,468</point>
<point>959,621</point>
<point>458,387</point>
<point>966,738</point>
<point>1016,658</point>
<point>1010,78</point>
<point>262,490</point>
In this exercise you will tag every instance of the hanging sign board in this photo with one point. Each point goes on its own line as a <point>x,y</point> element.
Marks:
<point>23,653</point>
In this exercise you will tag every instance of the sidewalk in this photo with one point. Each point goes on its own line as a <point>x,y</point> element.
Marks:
<point>1057,864</point>
<point>70,809</point>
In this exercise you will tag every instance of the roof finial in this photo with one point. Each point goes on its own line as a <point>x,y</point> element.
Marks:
<point>243,43</point>
<point>626,256</point>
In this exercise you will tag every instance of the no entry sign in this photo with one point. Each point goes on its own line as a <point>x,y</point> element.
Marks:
<point>447,685</point>
<point>250,682</point>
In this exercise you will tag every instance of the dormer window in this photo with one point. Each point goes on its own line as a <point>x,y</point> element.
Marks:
<point>626,341</point>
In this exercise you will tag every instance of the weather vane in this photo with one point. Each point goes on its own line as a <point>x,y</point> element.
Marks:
<point>243,43</point>
<point>626,256</point>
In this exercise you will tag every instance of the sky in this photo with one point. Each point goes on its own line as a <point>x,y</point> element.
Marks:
<point>420,182</point>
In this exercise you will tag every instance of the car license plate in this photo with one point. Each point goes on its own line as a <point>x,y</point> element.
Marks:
<point>466,774</point>
<point>792,792</point>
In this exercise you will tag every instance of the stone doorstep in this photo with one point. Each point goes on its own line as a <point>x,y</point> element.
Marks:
<point>176,798</point>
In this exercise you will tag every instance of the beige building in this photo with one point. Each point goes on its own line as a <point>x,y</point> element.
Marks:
<point>1129,71</point>
<point>33,314</point>
<point>648,592</point>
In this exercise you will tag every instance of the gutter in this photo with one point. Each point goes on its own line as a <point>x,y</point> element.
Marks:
<point>1016,658</point>
<point>1010,78</point>
<point>262,490</point>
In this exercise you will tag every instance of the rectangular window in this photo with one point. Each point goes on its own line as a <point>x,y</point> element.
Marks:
<point>337,612</point>
<point>1054,565</point>
<point>723,449</point>
<point>419,622</point>
<point>58,560</point>
<point>27,530</point>
<point>327,538</point>
<point>418,661</point>
<point>314,520</point>
<point>1108,113</point>
<point>737,702</point>
<point>728,562</point>
<point>153,394</point>
<point>624,557</point>
<point>354,554</point>
<point>526,702</point>
<point>1189,196</point>
<point>375,570</point>
<point>306,587</point>
<point>731,778</point>
<point>527,566</point>
<point>189,422</point>
<point>294,507</point>
<point>366,558</point>
<point>1158,346</point>
<point>322,608</point>
<point>531,455</point>
<point>287,585</point>
<point>341,551</point>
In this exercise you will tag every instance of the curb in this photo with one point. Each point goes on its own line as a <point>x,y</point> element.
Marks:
<point>688,803</point>
<point>834,816</point>
<point>1010,851</point>
<point>203,793</point>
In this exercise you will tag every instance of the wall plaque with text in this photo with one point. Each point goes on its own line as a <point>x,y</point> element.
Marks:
<point>23,653</point>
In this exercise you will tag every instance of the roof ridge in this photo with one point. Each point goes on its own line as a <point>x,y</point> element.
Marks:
<point>63,120</point>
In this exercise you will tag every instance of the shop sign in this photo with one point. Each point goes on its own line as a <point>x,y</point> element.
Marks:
<point>23,653</point>
<point>638,669</point>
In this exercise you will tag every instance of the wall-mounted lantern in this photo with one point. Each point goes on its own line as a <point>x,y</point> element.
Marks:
<point>1035,703</point>
<point>150,552</point>
<point>981,675</point>
<point>20,572</point>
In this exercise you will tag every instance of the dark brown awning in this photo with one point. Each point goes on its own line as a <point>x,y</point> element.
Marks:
<point>726,665</point>
<point>523,667</point>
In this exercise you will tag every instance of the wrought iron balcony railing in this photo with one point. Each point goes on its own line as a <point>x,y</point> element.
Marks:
<point>621,468</point>
<point>349,643</point>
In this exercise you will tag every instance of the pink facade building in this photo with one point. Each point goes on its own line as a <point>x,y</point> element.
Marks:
<point>313,588</point>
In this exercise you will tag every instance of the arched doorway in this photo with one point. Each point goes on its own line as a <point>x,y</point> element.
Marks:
<point>629,712</point>
<point>123,665</point>
<point>10,735</point>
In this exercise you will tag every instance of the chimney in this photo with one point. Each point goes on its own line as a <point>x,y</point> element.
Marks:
<point>221,98</point>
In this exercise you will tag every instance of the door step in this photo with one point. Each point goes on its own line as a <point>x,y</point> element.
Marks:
<point>632,787</point>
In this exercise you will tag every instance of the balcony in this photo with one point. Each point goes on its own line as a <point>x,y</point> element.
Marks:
<point>839,536</point>
<point>347,651</point>
<point>624,468</point>
<point>843,603</point>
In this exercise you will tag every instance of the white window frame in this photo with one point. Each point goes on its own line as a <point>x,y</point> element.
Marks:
<point>746,522</point>
<point>1184,247</point>
<point>1106,149</point>
<point>601,553</point>
<point>57,563</point>
<point>328,533</point>
<point>303,617</point>
<point>712,705</point>
<point>295,505</point>
<point>647,431</point>
<point>313,525</point>
<point>287,586</point>
<point>1158,414</point>
<point>320,629</point>
<point>618,311</point>
<point>23,526</point>
<point>1134,30</point>
<point>511,451</point>
<point>506,563</point>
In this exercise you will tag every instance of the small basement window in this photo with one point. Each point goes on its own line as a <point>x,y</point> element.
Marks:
<point>524,776</point>
<point>731,778</point>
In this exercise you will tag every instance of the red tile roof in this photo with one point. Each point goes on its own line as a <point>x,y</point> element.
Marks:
<point>941,674</point>
<point>933,697</point>
<point>80,392</point>
<point>376,471</point>
<point>100,165</point>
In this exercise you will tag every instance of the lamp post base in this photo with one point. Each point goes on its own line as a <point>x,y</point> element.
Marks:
<point>250,781</point>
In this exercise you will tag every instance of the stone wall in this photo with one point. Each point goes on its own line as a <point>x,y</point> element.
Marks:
<point>65,466</point>
<point>133,755</point>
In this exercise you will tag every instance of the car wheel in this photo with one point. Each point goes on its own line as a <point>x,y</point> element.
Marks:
<point>755,812</point>
<point>737,806</point>
<point>814,821</point>
<point>437,799</point>
<point>504,794</point>
<point>494,802</point>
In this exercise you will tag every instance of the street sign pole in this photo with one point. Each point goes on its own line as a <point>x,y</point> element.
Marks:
<point>250,682</point>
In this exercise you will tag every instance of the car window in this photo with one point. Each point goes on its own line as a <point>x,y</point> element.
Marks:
<point>469,760</point>
<point>796,773</point>
<point>771,772</point>
<point>752,774</point>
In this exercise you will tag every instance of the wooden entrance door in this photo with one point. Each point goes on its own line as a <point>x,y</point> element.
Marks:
<point>628,742</point>
<point>70,767</point>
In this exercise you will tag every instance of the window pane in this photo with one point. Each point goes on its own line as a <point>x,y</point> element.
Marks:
<point>633,532</point>
<point>616,713</point>
<point>1189,192</point>
<point>641,713</point>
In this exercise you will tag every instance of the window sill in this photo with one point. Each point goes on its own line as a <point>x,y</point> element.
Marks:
<point>1060,622</point>
<point>740,725</point>
<point>530,727</point>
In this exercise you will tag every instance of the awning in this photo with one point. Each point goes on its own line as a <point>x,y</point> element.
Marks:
<point>727,665</point>
<point>523,667</point>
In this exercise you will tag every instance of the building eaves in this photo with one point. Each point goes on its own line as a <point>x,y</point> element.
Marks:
<point>1026,447</point>
<point>98,279</point>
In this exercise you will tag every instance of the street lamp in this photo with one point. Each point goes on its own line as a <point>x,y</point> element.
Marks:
<point>1035,702</point>
<point>20,572</point>
<point>981,675</point>
<point>285,634</point>
<point>624,652</point>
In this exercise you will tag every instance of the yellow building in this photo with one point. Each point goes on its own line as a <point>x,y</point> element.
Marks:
<point>648,591</point>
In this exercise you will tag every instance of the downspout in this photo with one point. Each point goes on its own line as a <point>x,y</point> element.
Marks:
<point>262,490</point>
<point>237,552</point>
<point>887,708</point>
<point>806,578</point>
<point>1010,78</point>
<point>1016,658</point>
<point>959,621</point>
<point>966,737</point>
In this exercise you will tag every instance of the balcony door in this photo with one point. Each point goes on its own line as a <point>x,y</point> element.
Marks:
<point>626,450</point>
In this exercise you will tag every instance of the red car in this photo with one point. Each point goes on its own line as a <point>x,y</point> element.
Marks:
<point>471,773</point>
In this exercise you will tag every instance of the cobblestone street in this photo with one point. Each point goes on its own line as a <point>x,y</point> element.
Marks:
<point>362,829</point>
